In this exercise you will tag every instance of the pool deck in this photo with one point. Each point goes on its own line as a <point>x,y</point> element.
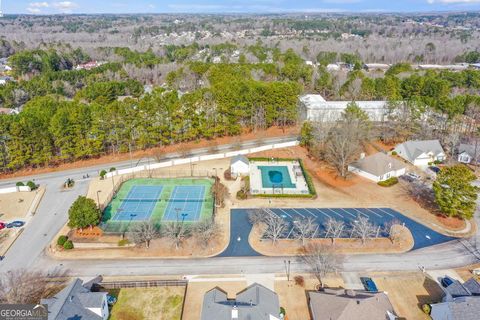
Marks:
<point>256,185</point>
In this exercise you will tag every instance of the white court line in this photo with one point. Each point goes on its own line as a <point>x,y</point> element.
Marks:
<point>386,212</point>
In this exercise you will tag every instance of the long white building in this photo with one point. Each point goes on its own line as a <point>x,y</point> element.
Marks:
<point>314,107</point>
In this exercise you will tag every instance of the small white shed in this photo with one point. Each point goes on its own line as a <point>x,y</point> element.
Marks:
<point>239,166</point>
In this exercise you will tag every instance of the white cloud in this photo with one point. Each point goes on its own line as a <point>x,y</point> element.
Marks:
<point>65,6</point>
<point>38,5</point>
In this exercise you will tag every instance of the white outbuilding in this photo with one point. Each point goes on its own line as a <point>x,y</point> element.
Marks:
<point>239,166</point>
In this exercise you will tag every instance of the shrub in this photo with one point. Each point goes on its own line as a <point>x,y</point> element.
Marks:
<point>426,308</point>
<point>394,153</point>
<point>299,281</point>
<point>282,311</point>
<point>103,173</point>
<point>61,240</point>
<point>68,245</point>
<point>123,242</point>
<point>32,185</point>
<point>112,169</point>
<point>389,182</point>
<point>437,162</point>
<point>241,194</point>
<point>20,184</point>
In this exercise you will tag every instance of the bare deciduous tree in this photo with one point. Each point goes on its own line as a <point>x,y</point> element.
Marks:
<point>256,216</point>
<point>320,260</point>
<point>334,228</point>
<point>220,193</point>
<point>393,230</point>
<point>176,232</point>
<point>304,228</point>
<point>23,286</point>
<point>143,232</point>
<point>276,226</point>
<point>363,229</point>
<point>205,231</point>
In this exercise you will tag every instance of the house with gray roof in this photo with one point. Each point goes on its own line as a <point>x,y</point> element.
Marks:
<point>377,167</point>
<point>461,302</point>
<point>469,153</point>
<point>421,152</point>
<point>461,308</point>
<point>77,302</point>
<point>255,302</point>
<point>341,304</point>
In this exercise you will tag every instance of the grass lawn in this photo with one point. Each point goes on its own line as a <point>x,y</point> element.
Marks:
<point>162,303</point>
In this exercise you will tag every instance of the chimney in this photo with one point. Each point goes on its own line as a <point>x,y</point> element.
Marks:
<point>389,165</point>
<point>234,313</point>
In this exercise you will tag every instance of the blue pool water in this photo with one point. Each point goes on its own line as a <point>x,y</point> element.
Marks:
<point>276,177</point>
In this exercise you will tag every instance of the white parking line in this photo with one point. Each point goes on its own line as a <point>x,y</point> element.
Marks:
<point>285,212</point>
<point>360,212</point>
<point>338,214</point>
<point>312,214</point>
<point>375,213</point>
<point>298,213</point>
<point>353,216</point>
<point>386,212</point>
<point>324,213</point>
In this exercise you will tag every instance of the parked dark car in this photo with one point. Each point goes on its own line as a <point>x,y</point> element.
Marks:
<point>2,225</point>
<point>15,224</point>
<point>369,285</point>
<point>446,281</point>
<point>434,169</point>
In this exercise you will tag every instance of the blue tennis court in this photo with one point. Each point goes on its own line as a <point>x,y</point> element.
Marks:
<point>139,203</point>
<point>185,203</point>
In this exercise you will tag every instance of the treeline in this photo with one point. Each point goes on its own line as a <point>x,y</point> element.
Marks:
<point>51,130</point>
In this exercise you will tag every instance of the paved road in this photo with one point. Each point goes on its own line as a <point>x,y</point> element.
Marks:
<point>51,215</point>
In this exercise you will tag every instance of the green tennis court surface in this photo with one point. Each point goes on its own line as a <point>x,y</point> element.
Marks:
<point>158,200</point>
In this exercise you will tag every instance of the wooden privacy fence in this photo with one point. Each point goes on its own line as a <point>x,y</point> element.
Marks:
<point>138,284</point>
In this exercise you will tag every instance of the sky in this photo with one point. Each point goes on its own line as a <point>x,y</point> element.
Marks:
<point>234,6</point>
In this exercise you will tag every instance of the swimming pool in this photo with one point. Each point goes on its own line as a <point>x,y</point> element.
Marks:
<point>276,177</point>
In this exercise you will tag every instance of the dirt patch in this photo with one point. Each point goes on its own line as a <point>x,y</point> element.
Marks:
<point>408,291</point>
<point>293,297</point>
<point>451,223</point>
<point>293,247</point>
<point>158,152</point>
<point>14,206</point>
<point>380,145</point>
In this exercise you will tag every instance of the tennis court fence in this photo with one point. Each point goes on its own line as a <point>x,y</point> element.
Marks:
<point>118,180</point>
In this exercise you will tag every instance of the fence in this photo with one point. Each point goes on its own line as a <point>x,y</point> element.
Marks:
<point>138,284</point>
<point>152,173</point>
<point>194,159</point>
